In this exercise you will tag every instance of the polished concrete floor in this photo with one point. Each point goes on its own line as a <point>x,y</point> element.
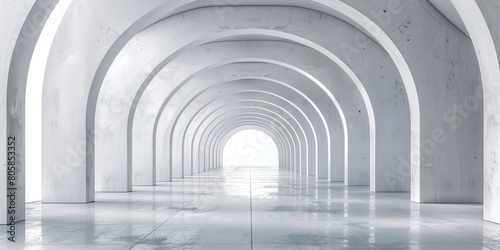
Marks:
<point>253,208</point>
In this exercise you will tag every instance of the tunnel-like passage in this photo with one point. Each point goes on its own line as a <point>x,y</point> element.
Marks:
<point>275,113</point>
<point>250,148</point>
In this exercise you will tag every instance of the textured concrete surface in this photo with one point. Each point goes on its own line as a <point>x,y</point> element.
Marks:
<point>254,208</point>
<point>484,35</point>
<point>17,42</point>
<point>406,95</point>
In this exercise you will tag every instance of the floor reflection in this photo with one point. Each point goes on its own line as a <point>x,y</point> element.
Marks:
<point>253,208</point>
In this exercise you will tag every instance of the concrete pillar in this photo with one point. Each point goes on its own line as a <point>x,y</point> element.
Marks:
<point>483,25</point>
<point>20,32</point>
<point>74,61</point>
<point>438,144</point>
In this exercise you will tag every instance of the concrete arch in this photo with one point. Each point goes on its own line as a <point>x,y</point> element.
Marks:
<point>289,158</point>
<point>26,23</point>
<point>259,121</point>
<point>250,125</point>
<point>133,109</point>
<point>208,83</point>
<point>402,64</point>
<point>266,88</point>
<point>308,160</point>
<point>289,135</point>
<point>220,63</point>
<point>206,136</point>
<point>488,59</point>
<point>222,140</point>
<point>231,130</point>
<point>344,6</point>
<point>349,17</point>
<point>245,127</point>
<point>372,147</point>
<point>250,119</point>
<point>295,158</point>
<point>257,115</point>
<point>296,128</point>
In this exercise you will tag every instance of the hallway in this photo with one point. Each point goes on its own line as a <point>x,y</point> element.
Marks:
<point>254,208</point>
<point>119,120</point>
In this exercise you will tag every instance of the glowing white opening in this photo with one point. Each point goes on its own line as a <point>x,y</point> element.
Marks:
<point>250,148</point>
<point>34,88</point>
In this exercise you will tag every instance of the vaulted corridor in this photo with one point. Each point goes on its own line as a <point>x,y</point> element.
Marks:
<point>240,124</point>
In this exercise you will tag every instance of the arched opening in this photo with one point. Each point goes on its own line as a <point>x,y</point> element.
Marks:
<point>119,49</point>
<point>34,90</point>
<point>250,148</point>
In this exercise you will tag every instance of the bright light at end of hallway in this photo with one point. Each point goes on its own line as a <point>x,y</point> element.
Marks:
<point>250,148</point>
